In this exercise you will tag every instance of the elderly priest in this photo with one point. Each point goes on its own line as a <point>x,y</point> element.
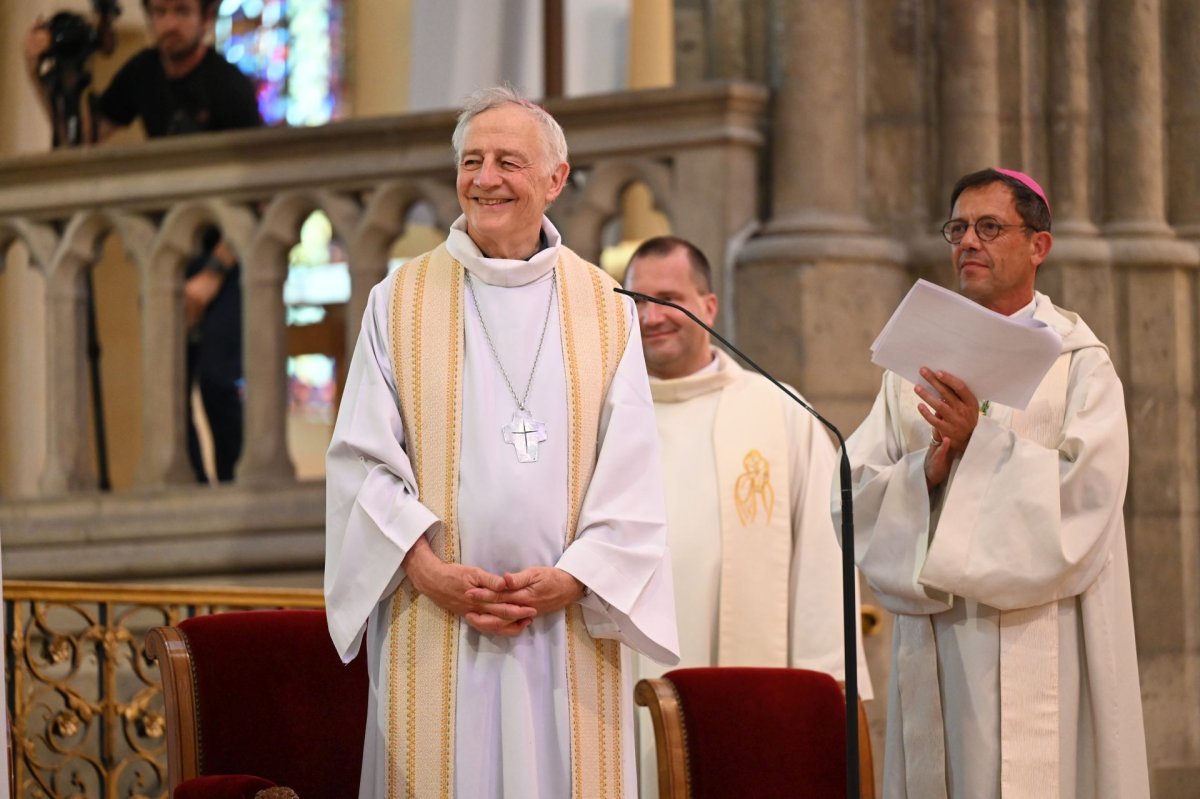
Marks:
<point>996,536</point>
<point>496,526</point>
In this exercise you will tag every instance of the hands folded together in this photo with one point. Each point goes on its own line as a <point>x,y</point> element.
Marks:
<point>491,603</point>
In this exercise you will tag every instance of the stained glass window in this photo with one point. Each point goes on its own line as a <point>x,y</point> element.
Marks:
<point>293,51</point>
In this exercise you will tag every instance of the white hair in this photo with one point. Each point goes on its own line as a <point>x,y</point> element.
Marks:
<point>486,99</point>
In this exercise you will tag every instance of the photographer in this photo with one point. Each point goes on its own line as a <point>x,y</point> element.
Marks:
<point>182,85</point>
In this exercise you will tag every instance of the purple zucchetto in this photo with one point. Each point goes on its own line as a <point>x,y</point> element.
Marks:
<point>1027,182</point>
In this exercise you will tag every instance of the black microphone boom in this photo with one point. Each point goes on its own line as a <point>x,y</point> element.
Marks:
<point>849,606</point>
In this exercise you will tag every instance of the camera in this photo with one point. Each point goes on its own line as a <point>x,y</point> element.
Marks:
<point>73,39</point>
<point>62,68</point>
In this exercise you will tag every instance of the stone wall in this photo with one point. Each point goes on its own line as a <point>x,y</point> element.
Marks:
<point>879,105</point>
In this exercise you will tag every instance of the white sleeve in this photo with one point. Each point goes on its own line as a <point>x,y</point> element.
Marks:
<point>620,552</point>
<point>372,512</point>
<point>891,507</point>
<point>1023,525</point>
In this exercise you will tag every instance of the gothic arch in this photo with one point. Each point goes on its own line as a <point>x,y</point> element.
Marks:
<point>383,218</point>
<point>599,200</point>
<point>281,221</point>
<point>80,241</point>
<point>176,239</point>
<point>40,240</point>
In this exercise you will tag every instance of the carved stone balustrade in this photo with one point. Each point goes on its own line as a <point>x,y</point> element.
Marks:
<point>697,149</point>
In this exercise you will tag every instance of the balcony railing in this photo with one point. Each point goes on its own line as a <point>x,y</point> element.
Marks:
<point>697,150</point>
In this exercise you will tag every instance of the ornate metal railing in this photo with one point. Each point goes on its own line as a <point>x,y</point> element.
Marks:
<point>87,707</point>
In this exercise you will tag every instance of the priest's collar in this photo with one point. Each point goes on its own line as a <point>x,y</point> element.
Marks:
<point>716,375</point>
<point>505,272</point>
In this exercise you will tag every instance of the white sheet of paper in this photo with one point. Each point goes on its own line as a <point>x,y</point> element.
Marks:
<point>1001,359</point>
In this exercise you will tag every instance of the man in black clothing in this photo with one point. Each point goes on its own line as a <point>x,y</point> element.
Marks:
<point>178,86</point>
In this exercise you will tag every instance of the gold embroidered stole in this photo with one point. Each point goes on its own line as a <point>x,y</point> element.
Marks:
<point>750,446</point>
<point>421,653</point>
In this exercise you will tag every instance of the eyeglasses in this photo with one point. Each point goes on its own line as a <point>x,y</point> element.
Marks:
<point>987,228</point>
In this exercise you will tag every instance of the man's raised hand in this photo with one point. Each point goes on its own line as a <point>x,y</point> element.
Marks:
<point>952,411</point>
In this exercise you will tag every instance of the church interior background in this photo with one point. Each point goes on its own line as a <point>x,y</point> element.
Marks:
<point>807,146</point>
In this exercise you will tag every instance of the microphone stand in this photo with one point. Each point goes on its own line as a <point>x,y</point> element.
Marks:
<point>849,609</point>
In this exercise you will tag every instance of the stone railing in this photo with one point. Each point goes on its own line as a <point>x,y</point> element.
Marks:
<point>696,149</point>
<point>86,704</point>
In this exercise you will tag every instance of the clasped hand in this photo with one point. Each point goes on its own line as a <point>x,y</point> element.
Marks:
<point>491,603</point>
<point>952,411</point>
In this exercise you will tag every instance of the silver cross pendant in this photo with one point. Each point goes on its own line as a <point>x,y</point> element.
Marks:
<point>524,433</point>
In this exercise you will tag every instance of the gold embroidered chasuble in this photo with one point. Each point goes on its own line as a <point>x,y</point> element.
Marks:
<point>427,360</point>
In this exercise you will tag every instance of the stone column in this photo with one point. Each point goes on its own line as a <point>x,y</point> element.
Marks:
<point>651,44</point>
<point>1180,771</point>
<point>1157,355</point>
<point>796,279</point>
<point>727,21</point>
<point>1069,112</point>
<point>70,463</point>
<point>1133,143</point>
<point>651,65</point>
<point>969,123</point>
<point>23,402</point>
<point>816,163</point>
<point>265,457</point>
<point>1183,121</point>
<point>1078,274</point>
<point>165,405</point>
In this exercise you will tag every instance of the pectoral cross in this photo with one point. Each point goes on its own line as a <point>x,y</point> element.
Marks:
<point>524,433</point>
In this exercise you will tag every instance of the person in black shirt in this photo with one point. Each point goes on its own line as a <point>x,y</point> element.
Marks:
<point>181,85</point>
<point>213,95</point>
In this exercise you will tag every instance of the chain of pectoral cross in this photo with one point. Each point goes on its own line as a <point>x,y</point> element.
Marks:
<point>491,345</point>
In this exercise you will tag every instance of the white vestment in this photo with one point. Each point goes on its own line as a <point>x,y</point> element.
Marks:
<point>512,732</point>
<point>801,624</point>
<point>1011,589</point>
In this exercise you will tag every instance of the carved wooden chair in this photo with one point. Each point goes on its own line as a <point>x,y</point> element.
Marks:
<point>259,706</point>
<point>766,733</point>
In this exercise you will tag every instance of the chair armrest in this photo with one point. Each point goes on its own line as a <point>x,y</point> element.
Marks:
<point>670,739</point>
<point>10,754</point>
<point>168,647</point>
<point>866,762</point>
<point>229,786</point>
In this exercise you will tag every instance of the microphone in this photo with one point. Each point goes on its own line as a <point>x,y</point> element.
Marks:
<point>849,611</point>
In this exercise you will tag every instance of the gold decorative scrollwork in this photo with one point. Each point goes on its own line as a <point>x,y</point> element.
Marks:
<point>87,709</point>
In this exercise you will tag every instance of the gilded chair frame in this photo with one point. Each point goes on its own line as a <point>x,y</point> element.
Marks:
<point>168,647</point>
<point>670,740</point>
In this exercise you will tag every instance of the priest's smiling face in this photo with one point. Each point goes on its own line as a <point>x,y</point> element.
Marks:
<point>998,274</point>
<point>506,180</point>
<point>674,345</point>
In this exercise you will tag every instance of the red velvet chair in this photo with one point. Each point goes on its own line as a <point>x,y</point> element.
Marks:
<point>766,733</point>
<point>258,701</point>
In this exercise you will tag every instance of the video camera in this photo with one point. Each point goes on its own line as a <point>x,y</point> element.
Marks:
<point>62,68</point>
